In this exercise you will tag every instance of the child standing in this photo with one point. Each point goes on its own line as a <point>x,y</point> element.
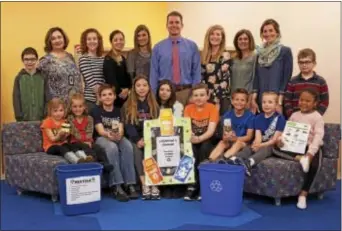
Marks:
<point>204,118</point>
<point>81,134</point>
<point>118,149</point>
<point>312,159</point>
<point>140,106</point>
<point>29,104</point>
<point>54,138</point>
<point>307,78</point>
<point>269,125</point>
<point>241,130</point>
<point>166,97</point>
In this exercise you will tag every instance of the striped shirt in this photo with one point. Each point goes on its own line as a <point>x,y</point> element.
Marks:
<point>297,84</point>
<point>92,71</point>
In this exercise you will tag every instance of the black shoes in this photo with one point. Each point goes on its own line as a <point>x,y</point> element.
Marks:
<point>132,193</point>
<point>245,163</point>
<point>191,193</point>
<point>120,194</point>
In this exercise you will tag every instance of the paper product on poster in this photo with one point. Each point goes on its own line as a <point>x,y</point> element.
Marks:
<point>168,151</point>
<point>85,189</point>
<point>295,137</point>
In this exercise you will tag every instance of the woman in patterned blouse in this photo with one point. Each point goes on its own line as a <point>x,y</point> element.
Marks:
<point>59,67</point>
<point>215,63</point>
<point>139,58</point>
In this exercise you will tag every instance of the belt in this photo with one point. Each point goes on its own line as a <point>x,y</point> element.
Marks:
<point>183,87</point>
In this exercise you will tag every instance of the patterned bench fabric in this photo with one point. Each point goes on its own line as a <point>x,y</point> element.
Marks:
<point>22,138</point>
<point>33,172</point>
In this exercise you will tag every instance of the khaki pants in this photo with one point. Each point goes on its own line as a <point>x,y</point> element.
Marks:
<point>183,96</point>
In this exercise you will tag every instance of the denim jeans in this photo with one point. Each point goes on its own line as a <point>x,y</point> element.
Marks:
<point>120,155</point>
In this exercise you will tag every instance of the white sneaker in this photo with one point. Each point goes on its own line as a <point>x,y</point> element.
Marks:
<point>301,204</point>
<point>304,161</point>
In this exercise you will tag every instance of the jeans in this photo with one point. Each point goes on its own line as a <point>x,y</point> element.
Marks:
<point>120,155</point>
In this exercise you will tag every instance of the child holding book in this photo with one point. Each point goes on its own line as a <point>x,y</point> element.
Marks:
<point>204,118</point>
<point>268,126</point>
<point>312,159</point>
<point>236,127</point>
<point>141,105</point>
<point>54,137</point>
<point>109,135</point>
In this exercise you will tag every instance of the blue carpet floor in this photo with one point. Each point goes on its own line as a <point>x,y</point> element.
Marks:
<point>36,212</point>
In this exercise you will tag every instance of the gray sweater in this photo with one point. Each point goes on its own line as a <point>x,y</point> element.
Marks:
<point>242,73</point>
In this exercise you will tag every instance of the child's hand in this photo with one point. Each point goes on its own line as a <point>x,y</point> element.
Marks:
<point>117,136</point>
<point>195,139</point>
<point>280,142</point>
<point>89,144</point>
<point>225,136</point>
<point>256,146</point>
<point>141,143</point>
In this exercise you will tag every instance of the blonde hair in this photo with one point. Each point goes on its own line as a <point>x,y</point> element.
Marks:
<point>207,49</point>
<point>271,93</point>
<point>131,104</point>
<point>53,104</point>
<point>77,96</point>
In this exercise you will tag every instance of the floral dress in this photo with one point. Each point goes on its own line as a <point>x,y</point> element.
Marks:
<point>62,76</point>
<point>217,76</point>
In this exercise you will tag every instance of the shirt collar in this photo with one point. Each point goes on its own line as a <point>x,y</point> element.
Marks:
<point>301,77</point>
<point>179,39</point>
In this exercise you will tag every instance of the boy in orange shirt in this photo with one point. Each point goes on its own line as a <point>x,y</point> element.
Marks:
<point>204,118</point>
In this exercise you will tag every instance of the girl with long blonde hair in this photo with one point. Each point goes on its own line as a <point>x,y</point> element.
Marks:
<point>215,67</point>
<point>140,106</point>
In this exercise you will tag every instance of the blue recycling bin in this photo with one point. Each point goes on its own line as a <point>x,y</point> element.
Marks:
<point>79,188</point>
<point>221,189</point>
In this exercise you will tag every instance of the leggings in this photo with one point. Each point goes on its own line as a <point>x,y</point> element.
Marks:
<point>59,150</point>
<point>315,166</point>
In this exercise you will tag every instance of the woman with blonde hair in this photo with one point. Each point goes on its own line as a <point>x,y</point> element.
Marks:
<point>139,58</point>
<point>215,63</point>
<point>115,68</point>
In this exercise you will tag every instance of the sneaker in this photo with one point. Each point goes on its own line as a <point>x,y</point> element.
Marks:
<point>245,163</point>
<point>190,193</point>
<point>120,194</point>
<point>146,192</point>
<point>132,193</point>
<point>199,197</point>
<point>155,195</point>
<point>226,161</point>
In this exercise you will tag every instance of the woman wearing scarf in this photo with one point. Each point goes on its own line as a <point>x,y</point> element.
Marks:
<point>274,65</point>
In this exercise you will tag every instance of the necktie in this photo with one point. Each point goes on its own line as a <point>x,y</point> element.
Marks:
<point>175,62</point>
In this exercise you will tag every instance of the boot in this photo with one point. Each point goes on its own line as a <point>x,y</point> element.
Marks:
<point>72,158</point>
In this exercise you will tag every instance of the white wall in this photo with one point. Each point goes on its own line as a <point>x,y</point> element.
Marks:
<point>313,25</point>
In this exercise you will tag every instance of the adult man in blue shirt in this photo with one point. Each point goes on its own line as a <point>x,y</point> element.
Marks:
<point>177,59</point>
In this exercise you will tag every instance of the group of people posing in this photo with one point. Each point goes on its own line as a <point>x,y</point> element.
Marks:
<point>95,109</point>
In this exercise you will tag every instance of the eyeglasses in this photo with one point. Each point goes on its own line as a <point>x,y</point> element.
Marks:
<point>30,60</point>
<point>304,62</point>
